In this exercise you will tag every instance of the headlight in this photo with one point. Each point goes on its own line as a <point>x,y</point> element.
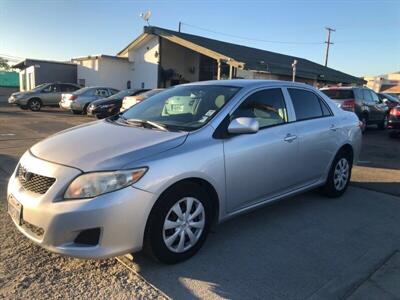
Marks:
<point>93,184</point>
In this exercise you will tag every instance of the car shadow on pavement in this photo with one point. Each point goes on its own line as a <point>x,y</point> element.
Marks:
<point>392,188</point>
<point>288,250</point>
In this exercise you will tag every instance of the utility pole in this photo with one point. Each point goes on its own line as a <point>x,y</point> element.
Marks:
<point>179,27</point>
<point>328,43</point>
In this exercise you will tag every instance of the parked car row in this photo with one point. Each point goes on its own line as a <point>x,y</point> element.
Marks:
<point>47,94</point>
<point>370,107</point>
<point>98,101</point>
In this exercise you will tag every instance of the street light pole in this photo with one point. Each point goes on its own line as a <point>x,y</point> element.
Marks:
<point>294,64</point>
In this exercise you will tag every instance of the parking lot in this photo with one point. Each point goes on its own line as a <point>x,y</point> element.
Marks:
<point>305,247</point>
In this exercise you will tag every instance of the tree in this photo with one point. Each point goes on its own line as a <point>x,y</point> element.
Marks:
<point>4,64</point>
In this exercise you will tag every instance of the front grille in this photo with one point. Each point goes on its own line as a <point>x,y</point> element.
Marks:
<point>34,182</point>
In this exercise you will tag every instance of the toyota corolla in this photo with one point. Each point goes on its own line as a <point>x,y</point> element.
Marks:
<point>158,176</point>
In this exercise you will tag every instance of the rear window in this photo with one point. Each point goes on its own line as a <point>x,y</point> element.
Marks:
<point>339,94</point>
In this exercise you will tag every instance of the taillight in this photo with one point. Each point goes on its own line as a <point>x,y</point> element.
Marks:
<point>348,104</point>
<point>395,111</point>
<point>72,97</point>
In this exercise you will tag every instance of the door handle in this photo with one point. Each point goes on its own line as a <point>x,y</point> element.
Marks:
<point>290,138</point>
<point>333,127</point>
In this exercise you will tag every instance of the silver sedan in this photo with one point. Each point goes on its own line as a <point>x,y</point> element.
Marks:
<point>160,175</point>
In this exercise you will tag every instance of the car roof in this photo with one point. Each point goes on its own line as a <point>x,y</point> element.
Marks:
<point>249,83</point>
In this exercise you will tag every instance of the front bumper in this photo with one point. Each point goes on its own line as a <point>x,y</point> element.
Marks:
<point>120,216</point>
<point>100,111</point>
<point>17,101</point>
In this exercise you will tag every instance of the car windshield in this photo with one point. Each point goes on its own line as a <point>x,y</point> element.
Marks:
<point>39,87</point>
<point>186,107</point>
<point>339,94</point>
<point>121,94</point>
<point>391,98</point>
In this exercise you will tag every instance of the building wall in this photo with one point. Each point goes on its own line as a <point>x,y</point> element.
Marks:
<point>183,61</point>
<point>45,72</point>
<point>104,71</point>
<point>145,62</point>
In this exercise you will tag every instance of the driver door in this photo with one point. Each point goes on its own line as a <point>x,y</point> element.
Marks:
<point>51,95</point>
<point>264,164</point>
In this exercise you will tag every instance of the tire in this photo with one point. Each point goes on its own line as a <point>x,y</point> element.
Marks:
<point>84,111</point>
<point>334,187</point>
<point>163,215</point>
<point>23,107</point>
<point>76,112</point>
<point>364,121</point>
<point>35,104</point>
<point>383,124</point>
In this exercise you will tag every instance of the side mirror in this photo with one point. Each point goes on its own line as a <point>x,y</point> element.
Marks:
<point>243,125</point>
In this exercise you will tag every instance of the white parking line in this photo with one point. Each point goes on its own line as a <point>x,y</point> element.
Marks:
<point>7,134</point>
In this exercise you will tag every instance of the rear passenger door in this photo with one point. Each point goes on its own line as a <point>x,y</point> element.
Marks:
<point>317,129</point>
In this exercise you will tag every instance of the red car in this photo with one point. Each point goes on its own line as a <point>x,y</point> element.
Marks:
<point>394,122</point>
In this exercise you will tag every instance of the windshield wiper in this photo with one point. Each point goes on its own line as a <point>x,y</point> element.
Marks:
<point>151,123</point>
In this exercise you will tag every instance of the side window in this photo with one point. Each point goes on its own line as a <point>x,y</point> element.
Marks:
<point>325,108</point>
<point>367,96</point>
<point>306,104</point>
<point>113,91</point>
<point>53,88</point>
<point>67,88</point>
<point>375,97</point>
<point>267,106</point>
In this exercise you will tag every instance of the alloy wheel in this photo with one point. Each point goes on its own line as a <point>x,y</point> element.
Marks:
<point>341,174</point>
<point>34,105</point>
<point>184,224</point>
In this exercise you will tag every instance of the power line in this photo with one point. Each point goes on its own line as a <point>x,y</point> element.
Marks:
<point>252,39</point>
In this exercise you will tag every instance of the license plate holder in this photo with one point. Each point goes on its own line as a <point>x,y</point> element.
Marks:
<point>14,209</point>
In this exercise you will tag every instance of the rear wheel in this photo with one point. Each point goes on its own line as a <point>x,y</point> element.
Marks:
<point>35,104</point>
<point>383,124</point>
<point>178,224</point>
<point>339,175</point>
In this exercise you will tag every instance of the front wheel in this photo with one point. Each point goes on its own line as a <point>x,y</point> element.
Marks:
<point>339,176</point>
<point>76,112</point>
<point>34,104</point>
<point>178,224</point>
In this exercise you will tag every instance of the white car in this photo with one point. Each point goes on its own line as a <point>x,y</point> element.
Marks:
<point>129,101</point>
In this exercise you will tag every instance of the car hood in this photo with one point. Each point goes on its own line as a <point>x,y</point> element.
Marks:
<point>106,101</point>
<point>17,94</point>
<point>103,145</point>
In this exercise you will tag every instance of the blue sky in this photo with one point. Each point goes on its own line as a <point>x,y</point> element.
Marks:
<point>367,37</point>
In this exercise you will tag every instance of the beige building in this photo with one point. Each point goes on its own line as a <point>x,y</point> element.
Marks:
<point>384,82</point>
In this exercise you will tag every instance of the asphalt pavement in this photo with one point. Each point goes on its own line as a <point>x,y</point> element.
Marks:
<point>305,247</point>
